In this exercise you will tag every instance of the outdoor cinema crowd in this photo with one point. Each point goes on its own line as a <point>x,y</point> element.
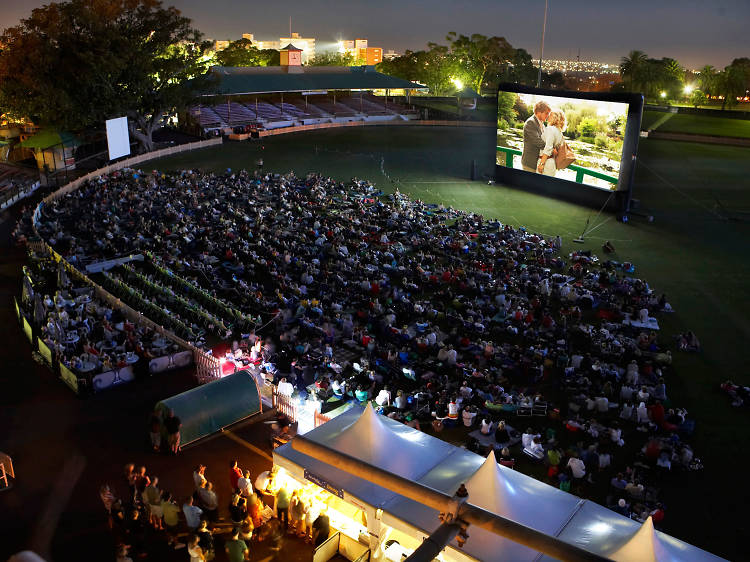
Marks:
<point>439,317</point>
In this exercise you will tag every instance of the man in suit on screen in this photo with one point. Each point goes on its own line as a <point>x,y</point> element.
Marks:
<point>532,136</point>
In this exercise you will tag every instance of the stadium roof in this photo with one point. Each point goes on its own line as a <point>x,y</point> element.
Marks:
<point>272,79</point>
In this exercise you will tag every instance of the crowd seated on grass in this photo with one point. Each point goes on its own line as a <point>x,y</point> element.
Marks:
<point>443,319</point>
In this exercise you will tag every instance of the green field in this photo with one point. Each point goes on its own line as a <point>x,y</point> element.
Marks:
<point>698,125</point>
<point>699,196</point>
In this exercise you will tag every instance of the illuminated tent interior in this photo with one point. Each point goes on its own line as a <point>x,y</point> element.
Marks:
<point>410,453</point>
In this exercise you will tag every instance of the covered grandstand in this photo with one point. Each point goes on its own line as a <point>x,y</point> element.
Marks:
<point>252,98</point>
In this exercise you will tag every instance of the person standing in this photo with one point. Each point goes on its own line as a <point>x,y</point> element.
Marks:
<point>152,501</point>
<point>192,514</point>
<point>195,551</point>
<point>321,528</point>
<point>282,507</point>
<point>199,476</point>
<point>171,514</point>
<point>173,424</point>
<point>533,143</point>
<point>236,548</point>
<point>245,485</point>
<point>235,473</point>
<point>209,501</point>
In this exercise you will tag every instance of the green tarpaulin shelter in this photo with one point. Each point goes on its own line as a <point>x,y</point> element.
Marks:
<point>208,408</point>
<point>49,138</point>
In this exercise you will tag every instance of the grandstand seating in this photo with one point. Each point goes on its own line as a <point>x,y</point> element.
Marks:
<point>366,106</point>
<point>336,110</point>
<point>233,113</point>
<point>296,112</point>
<point>206,116</point>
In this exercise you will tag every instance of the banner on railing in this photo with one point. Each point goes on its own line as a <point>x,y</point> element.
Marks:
<point>45,352</point>
<point>69,378</point>
<point>27,330</point>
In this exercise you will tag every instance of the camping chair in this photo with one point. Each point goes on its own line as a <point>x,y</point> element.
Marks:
<point>524,411</point>
<point>539,409</point>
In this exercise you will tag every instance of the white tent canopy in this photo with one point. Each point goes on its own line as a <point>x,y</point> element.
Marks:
<point>407,452</point>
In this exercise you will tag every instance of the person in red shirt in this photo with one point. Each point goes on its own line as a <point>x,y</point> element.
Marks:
<point>234,475</point>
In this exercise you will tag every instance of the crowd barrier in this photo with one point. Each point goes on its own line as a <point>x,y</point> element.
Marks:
<point>112,378</point>
<point>168,362</point>
<point>207,367</point>
<point>284,404</point>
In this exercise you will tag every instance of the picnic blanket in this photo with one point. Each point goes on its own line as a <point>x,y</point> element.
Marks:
<point>489,440</point>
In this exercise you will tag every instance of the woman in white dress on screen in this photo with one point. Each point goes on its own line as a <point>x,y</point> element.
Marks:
<point>553,138</point>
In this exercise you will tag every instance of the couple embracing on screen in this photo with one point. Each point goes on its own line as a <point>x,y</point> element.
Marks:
<point>544,149</point>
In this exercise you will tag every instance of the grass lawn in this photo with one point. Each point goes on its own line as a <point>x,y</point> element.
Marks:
<point>690,251</point>
<point>699,125</point>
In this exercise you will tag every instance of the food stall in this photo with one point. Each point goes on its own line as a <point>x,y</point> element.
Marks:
<point>394,525</point>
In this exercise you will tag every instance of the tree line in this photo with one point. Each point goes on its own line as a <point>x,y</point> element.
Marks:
<point>666,79</point>
<point>71,65</point>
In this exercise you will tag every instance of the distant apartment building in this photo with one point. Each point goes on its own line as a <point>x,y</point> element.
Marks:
<point>249,36</point>
<point>276,45</point>
<point>390,54</point>
<point>361,51</point>
<point>307,44</point>
<point>221,44</point>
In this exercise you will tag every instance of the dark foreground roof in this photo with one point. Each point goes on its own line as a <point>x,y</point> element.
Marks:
<point>269,79</point>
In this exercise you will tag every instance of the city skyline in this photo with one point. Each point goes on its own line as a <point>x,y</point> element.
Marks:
<point>693,32</point>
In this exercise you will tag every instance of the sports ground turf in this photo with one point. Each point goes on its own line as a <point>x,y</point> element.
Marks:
<point>695,250</point>
<point>698,124</point>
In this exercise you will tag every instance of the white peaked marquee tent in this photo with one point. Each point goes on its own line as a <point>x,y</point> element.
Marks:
<point>409,453</point>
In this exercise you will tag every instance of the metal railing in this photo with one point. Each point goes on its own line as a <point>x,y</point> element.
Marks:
<point>580,171</point>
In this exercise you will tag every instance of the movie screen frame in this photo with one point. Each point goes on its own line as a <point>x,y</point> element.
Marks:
<point>594,140</point>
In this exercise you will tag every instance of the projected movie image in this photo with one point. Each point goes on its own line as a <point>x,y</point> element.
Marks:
<point>578,140</point>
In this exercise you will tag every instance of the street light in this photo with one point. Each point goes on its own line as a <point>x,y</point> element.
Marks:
<point>663,94</point>
<point>457,83</point>
<point>688,89</point>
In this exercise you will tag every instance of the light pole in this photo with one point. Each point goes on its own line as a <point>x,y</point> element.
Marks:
<point>541,53</point>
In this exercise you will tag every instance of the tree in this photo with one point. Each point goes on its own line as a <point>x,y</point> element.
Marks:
<point>479,56</point>
<point>631,67</point>
<point>698,98</point>
<point>433,68</point>
<point>74,64</point>
<point>707,79</point>
<point>243,53</point>
<point>333,59</point>
<point>730,84</point>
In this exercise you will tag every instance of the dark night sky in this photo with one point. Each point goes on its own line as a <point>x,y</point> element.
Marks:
<point>695,32</point>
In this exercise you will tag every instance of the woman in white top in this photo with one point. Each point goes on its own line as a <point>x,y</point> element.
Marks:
<point>553,138</point>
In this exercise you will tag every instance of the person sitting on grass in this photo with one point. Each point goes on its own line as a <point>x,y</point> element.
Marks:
<point>535,450</point>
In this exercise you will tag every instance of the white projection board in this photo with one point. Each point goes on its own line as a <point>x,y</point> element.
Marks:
<point>118,138</point>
